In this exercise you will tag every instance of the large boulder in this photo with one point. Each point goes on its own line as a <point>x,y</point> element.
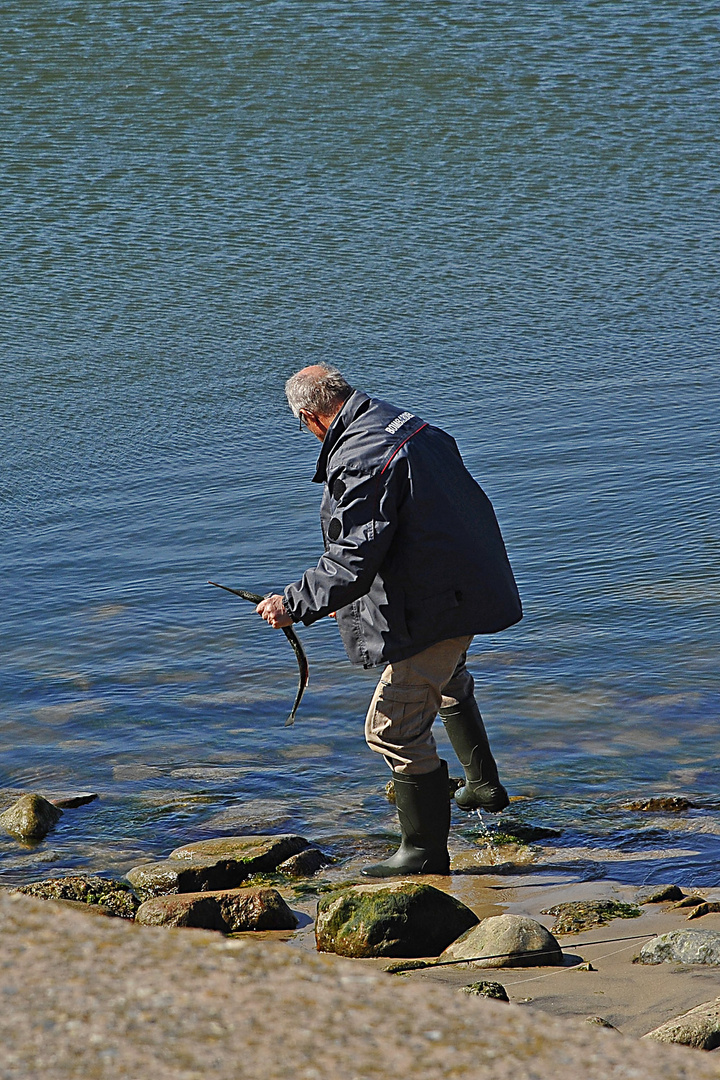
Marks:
<point>398,919</point>
<point>223,863</point>
<point>506,941</point>
<point>114,897</point>
<point>229,910</point>
<point>30,818</point>
<point>700,1027</point>
<point>682,947</point>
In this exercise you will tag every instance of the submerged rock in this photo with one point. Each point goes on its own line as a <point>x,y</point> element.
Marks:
<point>114,896</point>
<point>700,1027</point>
<point>524,832</point>
<point>506,941</point>
<point>488,989</point>
<point>209,865</point>
<point>682,947</point>
<point>398,919</point>
<point>30,818</point>
<point>229,910</point>
<point>71,802</point>
<point>580,915</point>
<point>663,804</point>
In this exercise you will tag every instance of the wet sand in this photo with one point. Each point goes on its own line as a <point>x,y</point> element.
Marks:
<point>634,998</point>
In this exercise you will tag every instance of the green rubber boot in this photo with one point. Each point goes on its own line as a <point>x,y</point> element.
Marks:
<point>466,731</point>
<point>423,809</point>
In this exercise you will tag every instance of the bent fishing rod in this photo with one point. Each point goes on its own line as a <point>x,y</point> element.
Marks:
<point>292,637</point>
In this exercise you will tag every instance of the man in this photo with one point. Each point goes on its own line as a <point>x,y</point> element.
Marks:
<point>414,566</point>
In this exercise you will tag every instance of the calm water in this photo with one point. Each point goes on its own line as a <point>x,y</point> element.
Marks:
<point>501,215</point>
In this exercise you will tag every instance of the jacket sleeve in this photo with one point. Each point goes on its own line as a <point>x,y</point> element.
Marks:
<point>358,537</point>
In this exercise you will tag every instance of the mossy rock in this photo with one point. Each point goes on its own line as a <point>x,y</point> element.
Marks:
<point>572,918</point>
<point>404,919</point>
<point>486,988</point>
<point>516,831</point>
<point>115,896</point>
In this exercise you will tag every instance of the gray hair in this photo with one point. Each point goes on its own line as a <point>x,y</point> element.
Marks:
<point>319,389</point>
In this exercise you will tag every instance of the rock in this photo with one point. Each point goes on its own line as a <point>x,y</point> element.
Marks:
<point>665,892</point>
<point>689,901</point>
<point>704,909</point>
<point>304,864</point>
<point>664,804</point>
<point>488,989</point>
<point>88,998</point>
<point>115,896</point>
<point>260,853</point>
<point>506,941</point>
<point>229,910</point>
<point>210,865</point>
<point>85,909</point>
<point>682,947</point>
<point>71,802</point>
<point>600,1021</point>
<point>580,915</point>
<point>525,833</point>
<point>397,919</point>
<point>30,818</point>
<point>700,1027</point>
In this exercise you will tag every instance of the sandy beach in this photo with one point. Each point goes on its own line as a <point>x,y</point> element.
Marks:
<point>634,998</point>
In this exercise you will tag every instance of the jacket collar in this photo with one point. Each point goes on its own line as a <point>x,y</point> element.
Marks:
<point>357,403</point>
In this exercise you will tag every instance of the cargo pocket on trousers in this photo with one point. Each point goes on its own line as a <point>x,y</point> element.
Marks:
<point>400,713</point>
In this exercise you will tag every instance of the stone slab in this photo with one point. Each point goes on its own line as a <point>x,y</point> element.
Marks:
<point>223,863</point>
<point>98,998</point>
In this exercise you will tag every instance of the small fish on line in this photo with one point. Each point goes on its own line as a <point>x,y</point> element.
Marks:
<point>292,637</point>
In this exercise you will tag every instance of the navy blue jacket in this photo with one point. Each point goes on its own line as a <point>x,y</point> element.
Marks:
<point>413,551</point>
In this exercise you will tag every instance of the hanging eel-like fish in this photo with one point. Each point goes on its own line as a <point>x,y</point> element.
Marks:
<point>292,637</point>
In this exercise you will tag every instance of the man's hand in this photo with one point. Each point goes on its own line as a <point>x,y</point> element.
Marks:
<point>272,610</point>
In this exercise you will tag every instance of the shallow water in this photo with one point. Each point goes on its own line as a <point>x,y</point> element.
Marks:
<point>501,217</point>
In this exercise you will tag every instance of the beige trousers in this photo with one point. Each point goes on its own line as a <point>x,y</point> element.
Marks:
<point>406,701</point>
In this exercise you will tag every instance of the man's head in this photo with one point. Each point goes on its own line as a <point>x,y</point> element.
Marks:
<point>316,394</point>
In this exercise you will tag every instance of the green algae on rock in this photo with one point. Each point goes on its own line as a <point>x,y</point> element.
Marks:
<point>399,919</point>
<point>486,988</point>
<point>117,897</point>
<point>579,915</point>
